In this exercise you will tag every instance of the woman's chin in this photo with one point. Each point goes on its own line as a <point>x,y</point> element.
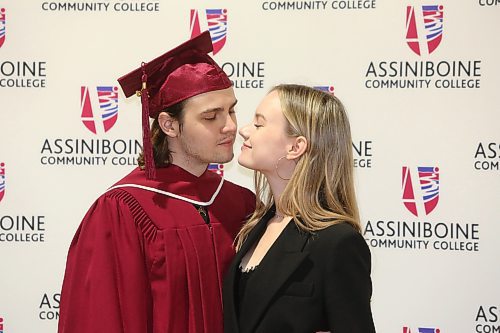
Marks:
<point>244,163</point>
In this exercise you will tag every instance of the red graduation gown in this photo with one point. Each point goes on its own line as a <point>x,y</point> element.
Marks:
<point>143,261</point>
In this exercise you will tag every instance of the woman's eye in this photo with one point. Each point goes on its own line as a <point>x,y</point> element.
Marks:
<point>257,125</point>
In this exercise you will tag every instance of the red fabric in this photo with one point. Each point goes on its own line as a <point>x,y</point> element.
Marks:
<point>150,166</point>
<point>181,73</point>
<point>143,262</point>
<point>131,82</point>
<point>187,81</point>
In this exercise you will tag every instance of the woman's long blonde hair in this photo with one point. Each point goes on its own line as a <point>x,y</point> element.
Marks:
<point>320,192</point>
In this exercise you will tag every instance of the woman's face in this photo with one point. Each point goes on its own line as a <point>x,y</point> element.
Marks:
<point>265,139</point>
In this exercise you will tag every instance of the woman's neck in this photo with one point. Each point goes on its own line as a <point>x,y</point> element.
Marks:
<point>277,186</point>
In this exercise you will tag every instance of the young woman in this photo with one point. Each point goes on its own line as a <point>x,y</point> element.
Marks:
<point>302,264</point>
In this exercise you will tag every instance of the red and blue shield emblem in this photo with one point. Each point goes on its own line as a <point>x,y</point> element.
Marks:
<point>2,180</point>
<point>423,330</point>
<point>428,191</point>
<point>424,29</point>
<point>327,89</point>
<point>104,118</point>
<point>213,20</point>
<point>217,168</point>
<point>2,26</point>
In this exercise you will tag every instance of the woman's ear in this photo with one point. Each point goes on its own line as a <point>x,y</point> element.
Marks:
<point>168,125</point>
<point>297,148</point>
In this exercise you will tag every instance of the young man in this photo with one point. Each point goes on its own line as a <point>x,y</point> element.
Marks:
<point>150,254</point>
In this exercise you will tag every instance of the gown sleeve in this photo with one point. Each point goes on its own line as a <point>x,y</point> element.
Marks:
<point>348,285</point>
<point>105,287</point>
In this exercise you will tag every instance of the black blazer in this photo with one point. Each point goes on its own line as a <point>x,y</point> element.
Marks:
<point>304,284</point>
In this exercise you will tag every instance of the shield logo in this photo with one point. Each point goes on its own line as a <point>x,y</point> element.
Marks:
<point>422,330</point>
<point>327,89</point>
<point>429,185</point>
<point>213,20</point>
<point>105,119</point>
<point>217,168</point>
<point>428,190</point>
<point>2,180</point>
<point>2,26</point>
<point>424,29</point>
<point>108,103</point>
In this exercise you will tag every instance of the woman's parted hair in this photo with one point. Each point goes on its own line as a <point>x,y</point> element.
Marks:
<point>321,191</point>
<point>161,153</point>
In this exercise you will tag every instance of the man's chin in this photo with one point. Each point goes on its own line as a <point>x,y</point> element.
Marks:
<point>224,159</point>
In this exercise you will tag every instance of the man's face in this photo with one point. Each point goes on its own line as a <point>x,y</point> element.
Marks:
<point>208,129</point>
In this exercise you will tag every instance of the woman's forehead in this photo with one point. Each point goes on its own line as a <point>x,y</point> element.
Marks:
<point>270,107</point>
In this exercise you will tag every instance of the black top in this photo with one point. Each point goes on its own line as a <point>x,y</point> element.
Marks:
<point>244,276</point>
<point>242,279</point>
<point>305,283</point>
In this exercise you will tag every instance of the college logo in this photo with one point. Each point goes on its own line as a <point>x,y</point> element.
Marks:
<point>327,89</point>
<point>362,151</point>
<point>422,330</point>
<point>2,26</point>
<point>217,168</point>
<point>213,20</point>
<point>2,180</point>
<point>119,6</point>
<point>318,5</point>
<point>488,319</point>
<point>49,306</point>
<point>487,156</point>
<point>429,189</point>
<point>489,3</point>
<point>99,113</point>
<point>424,33</point>
<point>105,118</point>
<point>419,234</point>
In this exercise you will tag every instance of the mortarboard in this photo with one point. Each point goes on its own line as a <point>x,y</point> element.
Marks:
<point>173,77</point>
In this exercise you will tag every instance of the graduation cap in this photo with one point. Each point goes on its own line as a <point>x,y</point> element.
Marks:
<point>173,77</point>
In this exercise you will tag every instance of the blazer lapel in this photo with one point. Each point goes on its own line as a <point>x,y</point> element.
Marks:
<point>282,259</point>
<point>231,320</point>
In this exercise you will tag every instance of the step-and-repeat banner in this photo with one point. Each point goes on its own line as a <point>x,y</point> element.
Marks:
<point>419,79</point>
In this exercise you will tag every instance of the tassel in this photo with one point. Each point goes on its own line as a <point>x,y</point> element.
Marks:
<point>146,133</point>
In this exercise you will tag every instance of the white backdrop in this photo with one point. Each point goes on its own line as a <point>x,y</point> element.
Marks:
<point>443,279</point>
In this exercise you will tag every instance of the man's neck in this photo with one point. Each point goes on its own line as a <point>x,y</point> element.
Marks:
<point>196,169</point>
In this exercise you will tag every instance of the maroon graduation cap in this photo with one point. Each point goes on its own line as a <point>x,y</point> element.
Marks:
<point>173,77</point>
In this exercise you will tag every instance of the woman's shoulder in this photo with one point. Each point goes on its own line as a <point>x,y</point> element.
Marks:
<point>338,230</point>
<point>339,234</point>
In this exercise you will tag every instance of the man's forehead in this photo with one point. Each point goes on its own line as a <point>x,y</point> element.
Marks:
<point>220,99</point>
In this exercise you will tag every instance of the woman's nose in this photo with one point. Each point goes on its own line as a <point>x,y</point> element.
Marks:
<point>245,131</point>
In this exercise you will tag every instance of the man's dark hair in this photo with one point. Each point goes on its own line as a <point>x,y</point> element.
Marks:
<point>161,152</point>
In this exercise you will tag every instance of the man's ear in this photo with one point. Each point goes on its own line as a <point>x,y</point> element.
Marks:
<point>168,125</point>
<point>297,148</point>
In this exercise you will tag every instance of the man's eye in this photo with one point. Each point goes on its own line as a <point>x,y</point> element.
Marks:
<point>210,117</point>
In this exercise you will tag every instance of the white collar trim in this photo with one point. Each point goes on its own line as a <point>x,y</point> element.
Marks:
<point>172,195</point>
